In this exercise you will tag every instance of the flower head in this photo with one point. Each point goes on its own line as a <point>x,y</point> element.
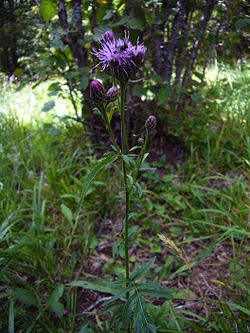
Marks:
<point>150,122</point>
<point>96,92</point>
<point>121,55</point>
<point>112,94</point>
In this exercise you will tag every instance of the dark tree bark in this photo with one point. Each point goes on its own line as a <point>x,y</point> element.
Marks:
<point>211,47</point>
<point>157,39</point>
<point>78,51</point>
<point>77,14</point>
<point>183,51</point>
<point>169,49</point>
<point>8,38</point>
<point>199,36</point>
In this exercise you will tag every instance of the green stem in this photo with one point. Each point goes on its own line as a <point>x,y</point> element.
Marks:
<point>123,141</point>
<point>142,153</point>
<point>111,134</point>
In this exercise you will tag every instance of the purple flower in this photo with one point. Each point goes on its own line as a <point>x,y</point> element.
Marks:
<point>150,122</point>
<point>109,36</point>
<point>112,94</point>
<point>96,92</point>
<point>122,56</point>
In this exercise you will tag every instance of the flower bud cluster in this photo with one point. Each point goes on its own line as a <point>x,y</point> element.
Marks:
<point>98,95</point>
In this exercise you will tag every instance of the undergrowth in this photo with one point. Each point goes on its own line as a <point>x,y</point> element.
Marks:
<point>201,205</point>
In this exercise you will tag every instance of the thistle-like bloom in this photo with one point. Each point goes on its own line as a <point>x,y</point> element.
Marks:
<point>96,92</point>
<point>112,94</point>
<point>150,122</point>
<point>122,56</point>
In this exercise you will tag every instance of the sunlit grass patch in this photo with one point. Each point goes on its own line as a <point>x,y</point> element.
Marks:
<point>27,103</point>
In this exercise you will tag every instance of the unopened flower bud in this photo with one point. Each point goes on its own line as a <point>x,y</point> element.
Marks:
<point>112,94</point>
<point>109,36</point>
<point>140,141</point>
<point>64,313</point>
<point>150,122</point>
<point>138,55</point>
<point>96,91</point>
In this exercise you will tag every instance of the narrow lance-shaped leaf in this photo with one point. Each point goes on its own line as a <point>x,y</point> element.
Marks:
<point>119,294</point>
<point>127,311</point>
<point>137,273</point>
<point>11,316</point>
<point>111,157</point>
<point>93,285</point>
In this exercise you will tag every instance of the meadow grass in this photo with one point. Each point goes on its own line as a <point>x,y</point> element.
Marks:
<point>203,202</point>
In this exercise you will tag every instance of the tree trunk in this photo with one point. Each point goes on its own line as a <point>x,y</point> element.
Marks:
<point>211,47</point>
<point>199,36</point>
<point>78,51</point>
<point>169,49</point>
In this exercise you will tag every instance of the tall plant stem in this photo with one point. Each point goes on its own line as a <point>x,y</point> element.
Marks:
<point>141,156</point>
<point>123,141</point>
<point>111,134</point>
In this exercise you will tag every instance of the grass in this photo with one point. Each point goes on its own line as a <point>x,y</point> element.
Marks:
<point>201,205</point>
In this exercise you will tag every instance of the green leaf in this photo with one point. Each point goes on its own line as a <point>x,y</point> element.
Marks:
<point>150,17</point>
<point>18,72</point>
<point>108,15</point>
<point>164,93</point>
<point>127,311</point>
<point>67,213</point>
<point>84,82</point>
<point>156,78</point>
<point>123,21</point>
<point>93,285</point>
<point>183,294</point>
<point>137,273</point>
<point>84,329</point>
<point>142,320</point>
<point>156,290</point>
<point>139,189</point>
<point>138,90</point>
<point>111,157</point>
<point>11,316</point>
<point>24,296</point>
<point>242,23</point>
<point>57,308</point>
<point>135,23</point>
<point>125,158</point>
<point>119,294</point>
<point>118,248</point>
<point>48,9</point>
<point>48,106</point>
<point>162,96</point>
<point>56,294</point>
<point>237,307</point>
